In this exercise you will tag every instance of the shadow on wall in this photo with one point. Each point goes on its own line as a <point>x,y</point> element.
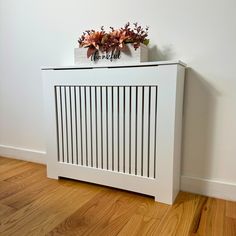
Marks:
<point>165,54</point>
<point>200,101</point>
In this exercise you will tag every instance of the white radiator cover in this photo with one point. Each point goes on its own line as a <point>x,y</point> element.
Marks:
<point>117,126</point>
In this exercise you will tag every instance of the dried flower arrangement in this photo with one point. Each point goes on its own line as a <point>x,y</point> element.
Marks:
<point>115,40</point>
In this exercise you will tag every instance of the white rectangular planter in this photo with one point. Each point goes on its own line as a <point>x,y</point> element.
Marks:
<point>99,58</point>
<point>116,126</point>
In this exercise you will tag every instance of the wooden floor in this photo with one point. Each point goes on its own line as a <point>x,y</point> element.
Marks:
<point>31,204</point>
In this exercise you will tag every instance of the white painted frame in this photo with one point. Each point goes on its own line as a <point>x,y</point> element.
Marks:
<point>169,77</point>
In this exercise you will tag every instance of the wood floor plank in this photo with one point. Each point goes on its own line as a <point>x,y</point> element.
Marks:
<point>15,172</point>
<point>23,176</point>
<point>46,212</point>
<point>9,189</point>
<point>178,219</point>
<point>140,225</point>
<point>120,213</point>
<point>104,215</point>
<point>212,218</point>
<point>231,209</point>
<point>6,210</point>
<point>230,227</point>
<point>4,168</point>
<point>4,160</point>
<point>19,183</point>
<point>146,219</point>
<point>150,208</point>
<point>41,188</point>
<point>26,196</point>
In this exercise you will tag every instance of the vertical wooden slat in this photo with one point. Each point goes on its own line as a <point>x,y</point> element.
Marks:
<point>107,128</point>
<point>112,124</point>
<point>118,128</point>
<point>145,131</point>
<point>66,124</point>
<point>68,127</point>
<point>86,124</point>
<point>148,137</point>
<point>110,140</point>
<point>133,131</point>
<point>89,127</point>
<point>80,122</point>
<point>155,134</point>
<point>99,126</point>
<point>83,125</point>
<point>59,124</point>
<point>62,125</point>
<point>78,125</point>
<point>57,129</point>
<point>136,131</point>
<point>121,129</point>
<point>102,143</point>
<point>93,126</point>
<point>127,129</point>
<point>115,127</point>
<point>69,130</point>
<point>142,132</point>
<point>104,126</point>
<point>73,126</point>
<point>152,132</point>
<point>130,117</point>
<point>139,130</point>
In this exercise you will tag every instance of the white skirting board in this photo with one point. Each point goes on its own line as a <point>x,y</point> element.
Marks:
<point>209,187</point>
<point>23,154</point>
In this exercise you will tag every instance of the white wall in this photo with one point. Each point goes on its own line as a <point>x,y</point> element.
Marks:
<point>201,33</point>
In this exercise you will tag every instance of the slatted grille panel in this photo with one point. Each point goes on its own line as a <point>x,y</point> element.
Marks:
<point>108,127</point>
